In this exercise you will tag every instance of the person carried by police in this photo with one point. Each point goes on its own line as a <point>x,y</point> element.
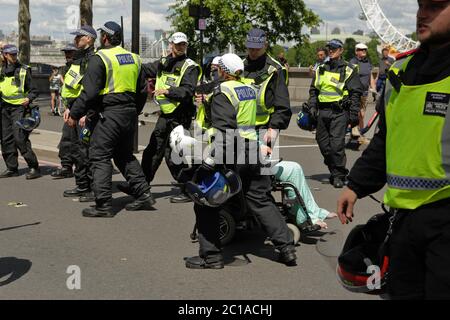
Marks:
<point>115,76</point>
<point>334,100</point>
<point>17,95</point>
<point>233,109</point>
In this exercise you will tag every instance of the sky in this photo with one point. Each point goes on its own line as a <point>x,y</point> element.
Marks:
<point>56,17</point>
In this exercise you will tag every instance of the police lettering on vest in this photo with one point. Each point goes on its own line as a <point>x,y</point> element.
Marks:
<point>243,99</point>
<point>122,70</point>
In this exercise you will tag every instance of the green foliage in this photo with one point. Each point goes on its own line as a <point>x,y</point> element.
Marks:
<point>230,21</point>
<point>374,57</point>
<point>349,49</point>
<point>275,50</point>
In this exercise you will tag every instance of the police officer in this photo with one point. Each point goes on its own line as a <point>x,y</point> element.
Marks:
<point>115,75</point>
<point>70,141</point>
<point>274,108</point>
<point>233,108</point>
<point>67,157</point>
<point>17,95</point>
<point>411,153</point>
<point>334,101</point>
<point>176,78</point>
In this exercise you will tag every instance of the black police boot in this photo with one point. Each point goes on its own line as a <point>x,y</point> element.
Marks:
<point>9,173</point>
<point>33,174</point>
<point>209,262</point>
<point>181,198</point>
<point>338,183</point>
<point>287,255</point>
<point>144,201</point>
<point>87,197</point>
<point>76,192</point>
<point>125,188</point>
<point>99,211</point>
<point>62,173</point>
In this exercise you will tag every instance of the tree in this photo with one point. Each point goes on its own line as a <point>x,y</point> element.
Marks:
<point>24,31</point>
<point>372,52</point>
<point>349,48</point>
<point>230,21</point>
<point>86,12</point>
<point>358,32</point>
<point>305,54</point>
<point>315,30</point>
<point>336,30</point>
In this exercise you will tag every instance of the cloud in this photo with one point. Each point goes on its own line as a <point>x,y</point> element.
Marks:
<point>50,17</point>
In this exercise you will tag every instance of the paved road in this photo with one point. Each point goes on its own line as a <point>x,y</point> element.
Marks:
<point>140,255</point>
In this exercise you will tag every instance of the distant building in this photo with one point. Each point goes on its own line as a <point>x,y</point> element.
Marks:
<point>158,34</point>
<point>315,30</point>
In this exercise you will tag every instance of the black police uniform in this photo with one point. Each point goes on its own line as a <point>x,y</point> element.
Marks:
<point>333,119</point>
<point>13,137</point>
<point>71,150</point>
<point>113,135</point>
<point>255,187</point>
<point>277,94</point>
<point>419,249</point>
<point>158,147</point>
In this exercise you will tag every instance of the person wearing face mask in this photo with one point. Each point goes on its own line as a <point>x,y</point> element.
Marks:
<point>335,95</point>
<point>176,78</point>
<point>17,93</point>
<point>411,154</point>
<point>114,76</point>
<point>271,78</point>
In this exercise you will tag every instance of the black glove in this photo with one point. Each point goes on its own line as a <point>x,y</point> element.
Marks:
<point>313,112</point>
<point>353,119</point>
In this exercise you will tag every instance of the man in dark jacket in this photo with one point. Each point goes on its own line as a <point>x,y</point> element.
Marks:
<point>17,93</point>
<point>410,152</point>
<point>335,95</point>
<point>114,75</point>
<point>176,78</point>
<point>71,146</point>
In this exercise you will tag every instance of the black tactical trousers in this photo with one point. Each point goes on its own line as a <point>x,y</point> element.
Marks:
<point>419,249</point>
<point>256,189</point>
<point>330,135</point>
<point>74,152</point>
<point>159,148</point>
<point>15,138</point>
<point>113,138</point>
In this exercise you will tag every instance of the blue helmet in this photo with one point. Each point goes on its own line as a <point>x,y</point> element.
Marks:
<point>215,189</point>
<point>305,122</point>
<point>31,120</point>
